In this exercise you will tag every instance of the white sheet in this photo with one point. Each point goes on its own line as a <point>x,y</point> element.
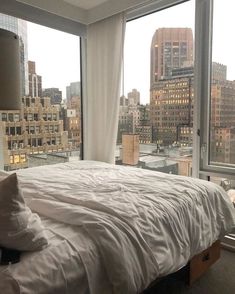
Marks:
<point>129,225</point>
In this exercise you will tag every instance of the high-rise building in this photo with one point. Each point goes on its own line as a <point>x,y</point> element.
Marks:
<point>75,103</point>
<point>19,27</point>
<point>143,128</point>
<point>222,103</point>
<point>124,124</point>
<point>222,120</point>
<point>35,81</point>
<point>123,101</point>
<point>222,147</point>
<point>219,71</point>
<point>171,110</point>
<point>74,89</point>
<point>33,130</point>
<point>171,85</point>
<point>72,119</point>
<point>54,93</point>
<point>134,118</point>
<point>171,48</point>
<point>133,97</point>
<point>9,71</point>
<point>73,127</point>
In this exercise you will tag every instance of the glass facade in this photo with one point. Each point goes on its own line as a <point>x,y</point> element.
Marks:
<point>19,27</point>
<point>222,100</point>
<point>156,116</point>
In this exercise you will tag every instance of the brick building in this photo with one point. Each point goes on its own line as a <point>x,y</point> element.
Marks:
<point>35,129</point>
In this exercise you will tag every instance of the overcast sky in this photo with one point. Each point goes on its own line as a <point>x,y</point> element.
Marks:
<point>138,40</point>
<point>57,54</point>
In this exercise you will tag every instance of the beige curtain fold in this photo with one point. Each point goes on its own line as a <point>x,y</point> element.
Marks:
<point>105,40</point>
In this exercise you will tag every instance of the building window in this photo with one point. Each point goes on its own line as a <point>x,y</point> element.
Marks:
<point>16,159</point>
<point>22,158</point>
<point>4,116</point>
<point>16,117</point>
<point>30,117</point>
<point>18,130</point>
<point>10,117</point>
<point>12,131</point>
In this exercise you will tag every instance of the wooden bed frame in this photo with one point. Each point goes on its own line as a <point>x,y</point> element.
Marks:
<point>201,262</point>
<point>195,268</point>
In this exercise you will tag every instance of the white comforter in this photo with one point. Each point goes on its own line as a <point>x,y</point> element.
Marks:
<point>129,226</point>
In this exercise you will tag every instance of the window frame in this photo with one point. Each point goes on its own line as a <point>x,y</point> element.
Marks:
<point>42,17</point>
<point>203,53</point>
<point>203,69</point>
<point>45,18</point>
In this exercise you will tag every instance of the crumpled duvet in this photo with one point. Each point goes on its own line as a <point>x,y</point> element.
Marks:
<point>141,224</point>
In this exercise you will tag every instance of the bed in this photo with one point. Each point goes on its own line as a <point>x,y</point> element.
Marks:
<point>113,229</point>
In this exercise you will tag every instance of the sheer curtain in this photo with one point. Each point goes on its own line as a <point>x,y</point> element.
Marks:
<point>105,41</point>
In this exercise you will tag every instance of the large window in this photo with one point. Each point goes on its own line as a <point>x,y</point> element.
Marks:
<point>47,129</point>
<point>222,102</point>
<point>216,95</point>
<point>218,90</point>
<point>156,108</point>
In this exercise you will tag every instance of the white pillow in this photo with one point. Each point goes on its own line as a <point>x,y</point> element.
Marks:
<point>19,228</point>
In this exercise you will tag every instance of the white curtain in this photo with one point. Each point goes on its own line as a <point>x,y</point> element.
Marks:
<point>105,41</point>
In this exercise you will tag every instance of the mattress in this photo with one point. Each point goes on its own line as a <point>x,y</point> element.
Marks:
<point>56,269</point>
<point>114,229</point>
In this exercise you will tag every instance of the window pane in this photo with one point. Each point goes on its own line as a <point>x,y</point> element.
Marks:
<point>50,92</point>
<point>222,113</point>
<point>156,109</point>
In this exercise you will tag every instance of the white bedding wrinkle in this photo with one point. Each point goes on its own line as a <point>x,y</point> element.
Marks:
<point>123,226</point>
<point>120,245</point>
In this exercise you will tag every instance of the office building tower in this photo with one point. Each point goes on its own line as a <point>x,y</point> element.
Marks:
<point>222,119</point>
<point>54,93</point>
<point>171,110</point>
<point>34,130</point>
<point>124,125</point>
<point>35,81</point>
<point>9,71</point>
<point>222,104</point>
<point>72,121</point>
<point>19,27</point>
<point>133,97</point>
<point>171,48</point>
<point>222,147</point>
<point>123,101</point>
<point>73,127</point>
<point>219,71</point>
<point>74,89</point>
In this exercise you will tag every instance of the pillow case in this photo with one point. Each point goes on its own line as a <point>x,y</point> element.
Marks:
<point>19,228</point>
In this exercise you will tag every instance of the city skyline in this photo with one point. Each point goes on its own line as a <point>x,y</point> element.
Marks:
<point>68,55</point>
<point>138,39</point>
<point>61,51</point>
<point>168,118</point>
<point>139,34</point>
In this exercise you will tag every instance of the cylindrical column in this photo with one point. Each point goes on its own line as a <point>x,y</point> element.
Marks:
<point>9,71</point>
